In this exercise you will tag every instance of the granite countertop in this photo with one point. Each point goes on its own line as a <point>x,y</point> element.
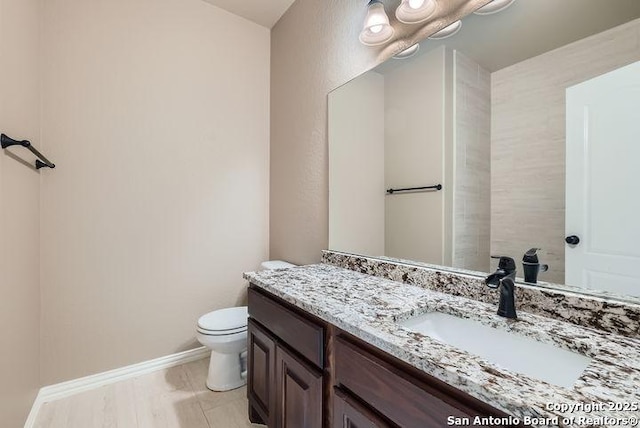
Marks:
<point>369,307</point>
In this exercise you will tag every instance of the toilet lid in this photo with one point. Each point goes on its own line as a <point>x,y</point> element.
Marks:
<point>224,320</point>
<point>221,333</point>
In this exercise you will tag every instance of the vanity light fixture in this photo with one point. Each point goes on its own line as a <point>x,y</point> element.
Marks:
<point>408,52</point>
<point>415,11</point>
<point>494,7</point>
<point>376,30</point>
<point>447,31</point>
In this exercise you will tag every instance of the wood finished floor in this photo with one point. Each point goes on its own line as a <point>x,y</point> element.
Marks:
<point>171,398</point>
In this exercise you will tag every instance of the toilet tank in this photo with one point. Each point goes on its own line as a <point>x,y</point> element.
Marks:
<point>275,264</point>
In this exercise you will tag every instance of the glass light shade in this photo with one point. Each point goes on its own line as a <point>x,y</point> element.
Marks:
<point>408,52</point>
<point>494,7</point>
<point>447,31</point>
<point>415,11</point>
<point>376,30</point>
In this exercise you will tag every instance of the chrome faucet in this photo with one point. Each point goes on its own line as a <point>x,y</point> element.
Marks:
<point>503,278</point>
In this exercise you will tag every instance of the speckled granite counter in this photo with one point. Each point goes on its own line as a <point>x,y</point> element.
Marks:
<point>369,307</point>
<point>597,312</point>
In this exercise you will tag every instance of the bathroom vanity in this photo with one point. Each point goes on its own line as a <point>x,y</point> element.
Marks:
<point>303,370</point>
<point>330,347</point>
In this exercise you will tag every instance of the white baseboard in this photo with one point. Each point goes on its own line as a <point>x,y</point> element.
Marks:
<point>72,387</point>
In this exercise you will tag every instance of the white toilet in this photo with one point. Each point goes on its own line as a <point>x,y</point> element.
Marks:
<point>225,332</point>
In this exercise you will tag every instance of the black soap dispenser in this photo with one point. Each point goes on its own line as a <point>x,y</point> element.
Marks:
<point>532,266</point>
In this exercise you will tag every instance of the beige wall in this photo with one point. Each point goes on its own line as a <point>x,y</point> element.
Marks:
<point>156,113</point>
<point>414,157</point>
<point>315,49</point>
<point>528,142</point>
<point>472,199</point>
<point>356,166</point>
<point>309,48</point>
<point>19,212</point>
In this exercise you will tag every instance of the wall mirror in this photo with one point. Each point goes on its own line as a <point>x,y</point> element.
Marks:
<point>529,119</point>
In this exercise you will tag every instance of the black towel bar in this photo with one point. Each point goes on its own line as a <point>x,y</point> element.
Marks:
<point>41,162</point>
<point>414,189</point>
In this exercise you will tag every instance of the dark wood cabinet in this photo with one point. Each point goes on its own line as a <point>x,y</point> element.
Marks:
<point>298,392</point>
<point>261,382</point>
<point>298,331</point>
<point>285,362</point>
<point>403,395</point>
<point>305,373</point>
<point>350,413</point>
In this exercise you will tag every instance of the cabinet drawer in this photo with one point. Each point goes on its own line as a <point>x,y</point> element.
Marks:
<point>301,334</point>
<point>405,401</point>
<point>348,413</point>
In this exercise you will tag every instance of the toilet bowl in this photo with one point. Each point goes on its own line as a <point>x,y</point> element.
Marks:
<point>225,332</point>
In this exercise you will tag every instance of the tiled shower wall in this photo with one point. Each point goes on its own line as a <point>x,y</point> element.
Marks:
<point>472,196</point>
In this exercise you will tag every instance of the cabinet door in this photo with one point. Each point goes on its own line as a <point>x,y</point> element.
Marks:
<point>261,391</point>
<point>348,413</point>
<point>299,392</point>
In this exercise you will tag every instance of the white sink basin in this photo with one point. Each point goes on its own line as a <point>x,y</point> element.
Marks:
<point>510,351</point>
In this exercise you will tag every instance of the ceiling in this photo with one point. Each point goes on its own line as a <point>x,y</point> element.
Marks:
<point>529,28</point>
<point>262,12</point>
